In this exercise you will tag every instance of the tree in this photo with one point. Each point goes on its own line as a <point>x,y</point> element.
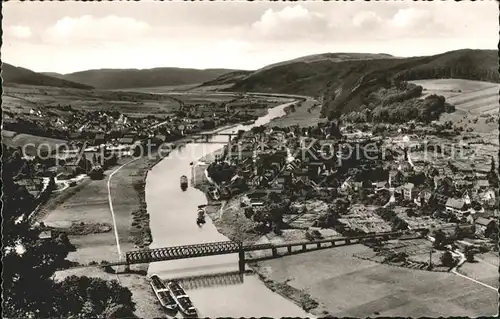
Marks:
<point>86,297</point>
<point>447,259</point>
<point>470,253</point>
<point>27,271</point>
<point>439,239</point>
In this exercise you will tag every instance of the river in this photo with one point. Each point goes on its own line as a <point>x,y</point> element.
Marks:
<point>173,222</point>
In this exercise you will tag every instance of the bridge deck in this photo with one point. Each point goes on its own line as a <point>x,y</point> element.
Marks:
<point>230,247</point>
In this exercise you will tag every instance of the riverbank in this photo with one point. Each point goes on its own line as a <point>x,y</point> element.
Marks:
<point>87,205</point>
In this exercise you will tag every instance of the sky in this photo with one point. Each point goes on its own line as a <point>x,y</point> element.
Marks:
<point>72,36</point>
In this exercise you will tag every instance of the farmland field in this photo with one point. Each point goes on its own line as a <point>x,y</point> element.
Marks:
<point>160,89</point>
<point>347,286</point>
<point>13,139</point>
<point>476,103</point>
<point>474,96</point>
<point>20,99</point>
<point>301,117</point>
<point>179,88</point>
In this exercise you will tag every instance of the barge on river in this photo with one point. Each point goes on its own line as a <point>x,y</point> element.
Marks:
<point>183,301</point>
<point>162,293</point>
<point>184,182</point>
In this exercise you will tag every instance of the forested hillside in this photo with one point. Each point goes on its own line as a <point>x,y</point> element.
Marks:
<point>351,90</point>
<point>17,75</point>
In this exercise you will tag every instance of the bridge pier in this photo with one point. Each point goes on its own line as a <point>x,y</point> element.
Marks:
<point>289,248</point>
<point>347,241</point>
<point>241,259</point>
<point>304,247</point>
<point>275,252</point>
<point>333,243</point>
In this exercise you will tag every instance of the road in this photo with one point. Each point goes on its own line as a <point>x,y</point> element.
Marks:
<point>110,201</point>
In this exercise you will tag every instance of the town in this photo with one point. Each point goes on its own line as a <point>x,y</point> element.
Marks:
<point>323,187</point>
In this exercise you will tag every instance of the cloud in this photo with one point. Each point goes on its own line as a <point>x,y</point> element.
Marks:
<point>85,28</point>
<point>290,23</point>
<point>411,17</point>
<point>18,31</point>
<point>414,22</point>
<point>366,19</point>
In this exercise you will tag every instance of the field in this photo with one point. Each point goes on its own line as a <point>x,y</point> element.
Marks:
<point>474,96</point>
<point>301,116</point>
<point>22,98</point>
<point>40,143</point>
<point>482,270</point>
<point>350,287</point>
<point>474,101</point>
<point>192,88</point>
<point>160,89</point>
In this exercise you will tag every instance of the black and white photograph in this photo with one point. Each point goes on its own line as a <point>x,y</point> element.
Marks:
<point>209,159</point>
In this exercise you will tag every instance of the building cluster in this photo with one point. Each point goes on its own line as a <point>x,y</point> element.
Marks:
<point>303,164</point>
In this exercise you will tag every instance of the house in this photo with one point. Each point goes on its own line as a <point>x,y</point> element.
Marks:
<point>293,166</point>
<point>485,226</point>
<point>439,199</point>
<point>34,186</point>
<point>346,185</point>
<point>75,135</point>
<point>465,231</point>
<point>455,205</point>
<point>396,178</point>
<point>380,185</point>
<point>466,198</point>
<point>126,140</point>
<point>409,191</point>
<point>99,139</point>
<point>482,184</point>
<point>488,196</point>
<point>423,197</point>
<point>45,234</point>
<point>315,168</point>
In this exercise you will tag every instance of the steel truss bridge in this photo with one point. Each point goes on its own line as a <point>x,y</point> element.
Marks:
<point>231,247</point>
<point>205,137</point>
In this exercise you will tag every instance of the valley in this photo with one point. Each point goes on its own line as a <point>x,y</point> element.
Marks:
<point>116,199</point>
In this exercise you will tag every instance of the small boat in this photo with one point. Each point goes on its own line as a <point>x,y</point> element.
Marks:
<point>184,182</point>
<point>182,299</point>
<point>162,293</point>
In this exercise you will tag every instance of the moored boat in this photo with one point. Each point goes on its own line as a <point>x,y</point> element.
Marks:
<point>183,301</point>
<point>162,293</point>
<point>184,182</point>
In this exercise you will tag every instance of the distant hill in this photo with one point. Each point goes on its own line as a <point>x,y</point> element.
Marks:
<point>344,80</point>
<point>228,78</point>
<point>135,78</point>
<point>333,57</point>
<point>241,76</point>
<point>17,75</point>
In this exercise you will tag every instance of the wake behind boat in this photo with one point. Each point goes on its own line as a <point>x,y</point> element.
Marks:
<point>162,293</point>
<point>183,301</point>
